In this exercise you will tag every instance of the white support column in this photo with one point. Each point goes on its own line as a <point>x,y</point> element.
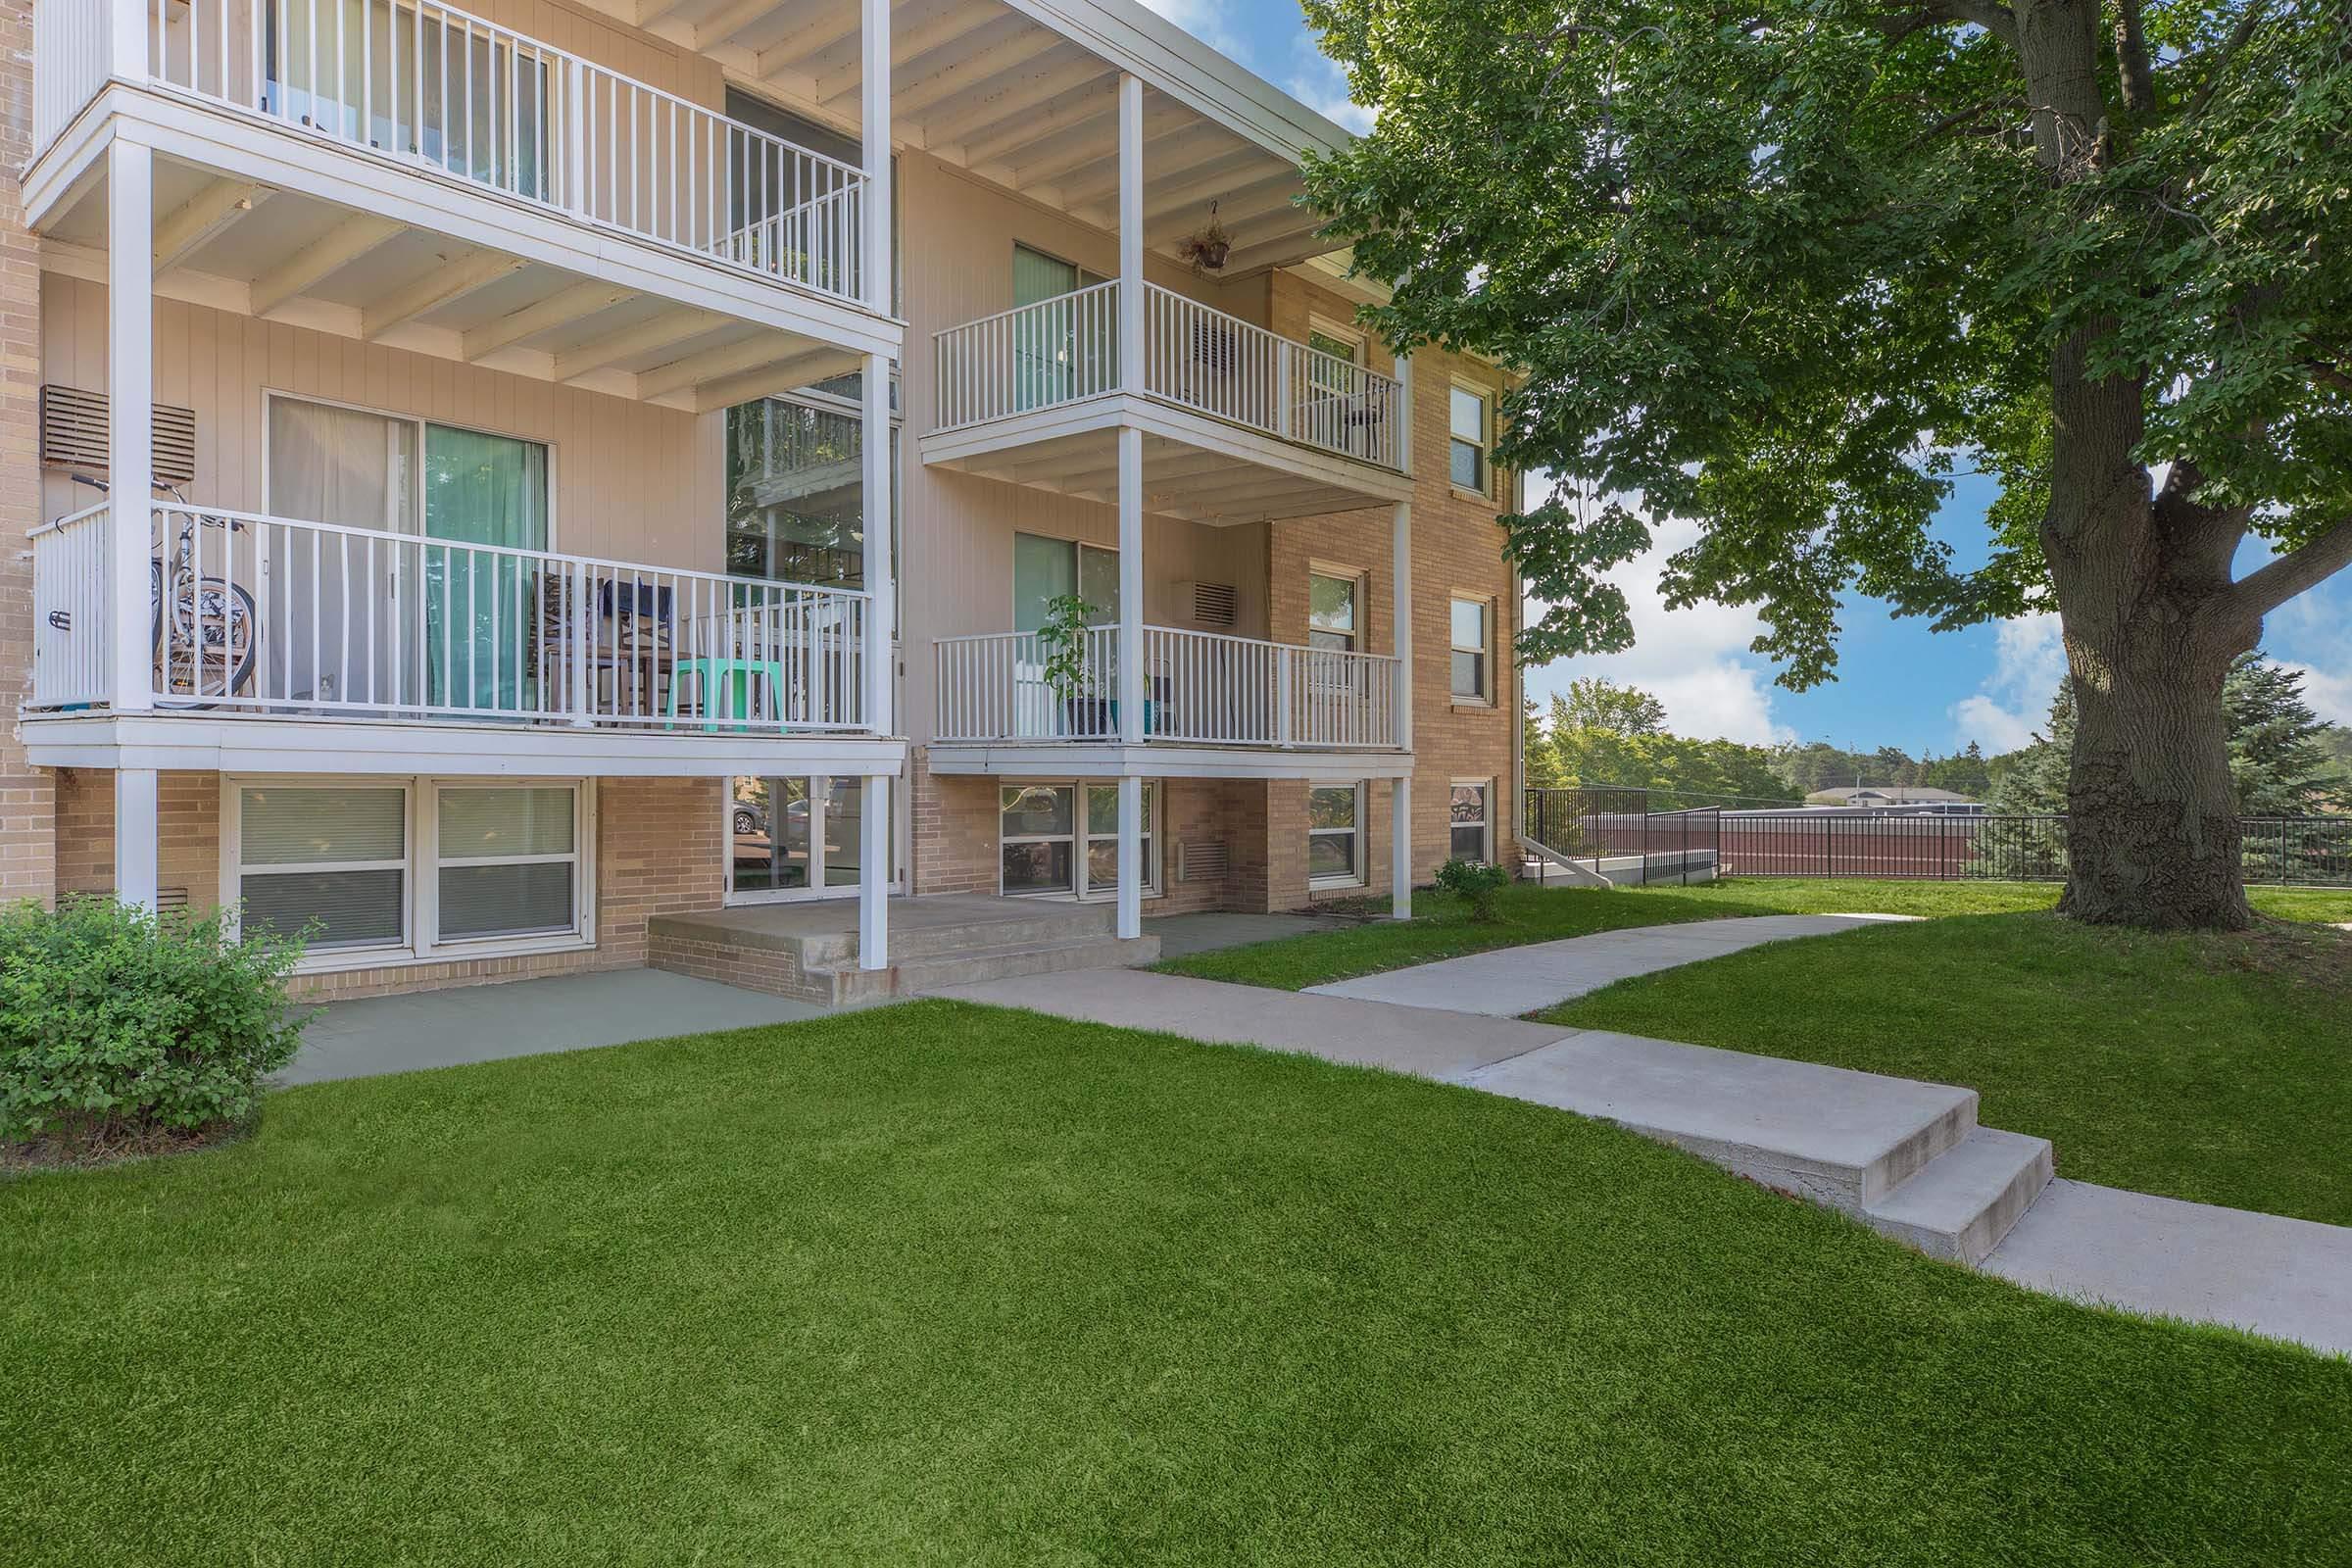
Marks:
<point>873,875</point>
<point>1404,404</point>
<point>881,664</point>
<point>1400,850</point>
<point>130,455</point>
<point>1131,857</point>
<point>1131,585</point>
<point>874,123</point>
<point>1401,805</point>
<point>1131,233</point>
<point>136,835</point>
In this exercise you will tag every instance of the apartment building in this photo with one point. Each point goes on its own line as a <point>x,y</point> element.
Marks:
<point>577,484</point>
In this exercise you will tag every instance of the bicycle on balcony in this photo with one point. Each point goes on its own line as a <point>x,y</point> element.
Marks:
<point>205,629</point>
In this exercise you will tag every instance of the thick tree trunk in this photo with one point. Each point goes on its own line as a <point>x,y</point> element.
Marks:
<point>2152,834</point>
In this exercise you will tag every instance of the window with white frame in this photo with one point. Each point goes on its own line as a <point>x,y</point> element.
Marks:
<point>507,861</point>
<point>1470,822</point>
<point>1331,613</point>
<point>1467,449</point>
<point>329,864</point>
<point>1335,834</point>
<point>1471,639</point>
<point>1063,839</point>
<point>383,870</point>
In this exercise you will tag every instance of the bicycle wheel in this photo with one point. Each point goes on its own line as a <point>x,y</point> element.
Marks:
<point>212,640</point>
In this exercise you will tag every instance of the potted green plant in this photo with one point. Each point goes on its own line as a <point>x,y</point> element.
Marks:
<point>1207,247</point>
<point>1069,674</point>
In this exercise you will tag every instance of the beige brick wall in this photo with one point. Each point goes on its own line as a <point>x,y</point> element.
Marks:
<point>659,845</point>
<point>27,803</point>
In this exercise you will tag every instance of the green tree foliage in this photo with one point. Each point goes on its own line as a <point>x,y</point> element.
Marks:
<point>1782,270</point>
<point>1591,702</point>
<point>1605,734</point>
<point>2281,754</point>
<point>1542,761</point>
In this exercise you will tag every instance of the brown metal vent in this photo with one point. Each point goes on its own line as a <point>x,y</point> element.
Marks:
<point>75,425</point>
<point>1203,862</point>
<point>1215,603</point>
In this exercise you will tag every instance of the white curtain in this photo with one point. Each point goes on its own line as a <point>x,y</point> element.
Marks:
<point>343,466</point>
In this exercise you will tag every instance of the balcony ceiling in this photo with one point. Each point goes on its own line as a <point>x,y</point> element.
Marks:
<point>1220,488</point>
<point>308,262</point>
<point>985,85</point>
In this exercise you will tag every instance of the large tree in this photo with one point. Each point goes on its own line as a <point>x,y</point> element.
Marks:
<point>1784,269</point>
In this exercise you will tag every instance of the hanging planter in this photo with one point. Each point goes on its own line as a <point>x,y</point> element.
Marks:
<point>1207,246</point>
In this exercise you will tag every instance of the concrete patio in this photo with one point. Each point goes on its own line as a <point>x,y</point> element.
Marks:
<point>524,1019</point>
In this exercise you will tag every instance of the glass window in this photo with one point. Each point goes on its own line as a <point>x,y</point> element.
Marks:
<point>1330,612</point>
<point>1469,823</point>
<point>796,493</point>
<point>1468,447</point>
<point>1330,343</point>
<point>510,862</point>
<point>332,862</point>
<point>1469,639</point>
<point>1040,838</point>
<point>1045,570</point>
<point>1065,838</point>
<point>1335,834</point>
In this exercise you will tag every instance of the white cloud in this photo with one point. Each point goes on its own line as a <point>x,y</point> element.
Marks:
<point>1205,20</point>
<point>1695,661</point>
<point>2028,661</point>
<point>2312,633</point>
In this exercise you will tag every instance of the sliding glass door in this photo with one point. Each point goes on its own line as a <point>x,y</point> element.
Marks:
<point>431,624</point>
<point>795,837</point>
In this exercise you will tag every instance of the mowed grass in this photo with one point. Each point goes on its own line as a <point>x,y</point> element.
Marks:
<point>1442,928</point>
<point>2212,1069</point>
<point>944,1285</point>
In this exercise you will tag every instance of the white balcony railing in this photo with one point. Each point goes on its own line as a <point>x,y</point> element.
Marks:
<point>1066,349</point>
<point>286,618</point>
<point>428,85</point>
<point>1199,688</point>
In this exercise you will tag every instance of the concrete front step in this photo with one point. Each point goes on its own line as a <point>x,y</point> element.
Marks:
<point>975,922</point>
<point>1847,1140</point>
<point>1012,962</point>
<point>1968,1198</point>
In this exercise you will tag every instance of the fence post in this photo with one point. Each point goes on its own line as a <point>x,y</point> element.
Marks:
<point>575,137</point>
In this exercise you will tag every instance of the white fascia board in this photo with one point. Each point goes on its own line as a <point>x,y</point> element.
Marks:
<point>229,144</point>
<point>1165,759</point>
<point>215,743</point>
<point>1189,71</point>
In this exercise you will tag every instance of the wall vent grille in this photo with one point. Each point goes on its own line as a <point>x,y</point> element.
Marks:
<point>75,426</point>
<point>1203,862</point>
<point>1215,603</point>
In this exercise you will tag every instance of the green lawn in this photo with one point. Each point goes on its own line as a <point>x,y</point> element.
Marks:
<point>940,1285</point>
<point>2217,1069</point>
<point>1442,928</point>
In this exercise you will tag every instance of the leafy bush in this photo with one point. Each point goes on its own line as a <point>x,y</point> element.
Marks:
<point>1475,882</point>
<point>116,1021</point>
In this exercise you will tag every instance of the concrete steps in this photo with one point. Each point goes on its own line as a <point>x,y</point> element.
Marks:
<point>810,951</point>
<point>1906,1159</point>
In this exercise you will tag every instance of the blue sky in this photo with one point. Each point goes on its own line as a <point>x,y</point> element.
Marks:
<point>1900,684</point>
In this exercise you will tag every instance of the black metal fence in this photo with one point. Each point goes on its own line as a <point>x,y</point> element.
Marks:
<point>1597,824</point>
<point>1618,836</point>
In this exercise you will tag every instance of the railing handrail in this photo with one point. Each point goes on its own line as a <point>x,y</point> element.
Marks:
<point>517,551</point>
<point>640,86</point>
<point>1033,305</point>
<point>1190,631</point>
<point>55,524</point>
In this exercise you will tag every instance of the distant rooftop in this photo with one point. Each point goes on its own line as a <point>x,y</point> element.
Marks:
<point>1887,795</point>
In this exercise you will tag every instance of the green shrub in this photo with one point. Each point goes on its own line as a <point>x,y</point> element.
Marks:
<point>1476,883</point>
<point>116,1021</point>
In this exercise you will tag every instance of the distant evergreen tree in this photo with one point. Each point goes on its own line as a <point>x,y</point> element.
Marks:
<point>1542,761</point>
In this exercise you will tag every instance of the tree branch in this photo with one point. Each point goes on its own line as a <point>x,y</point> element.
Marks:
<point>2131,59</point>
<point>2329,375</point>
<point>1990,14</point>
<point>2264,591</point>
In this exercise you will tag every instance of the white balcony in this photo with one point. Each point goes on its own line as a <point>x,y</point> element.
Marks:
<point>1024,701</point>
<point>428,87</point>
<point>273,621</point>
<point>1240,425</point>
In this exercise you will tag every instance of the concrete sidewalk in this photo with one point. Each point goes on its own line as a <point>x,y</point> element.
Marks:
<point>1512,982</point>
<point>1904,1157</point>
